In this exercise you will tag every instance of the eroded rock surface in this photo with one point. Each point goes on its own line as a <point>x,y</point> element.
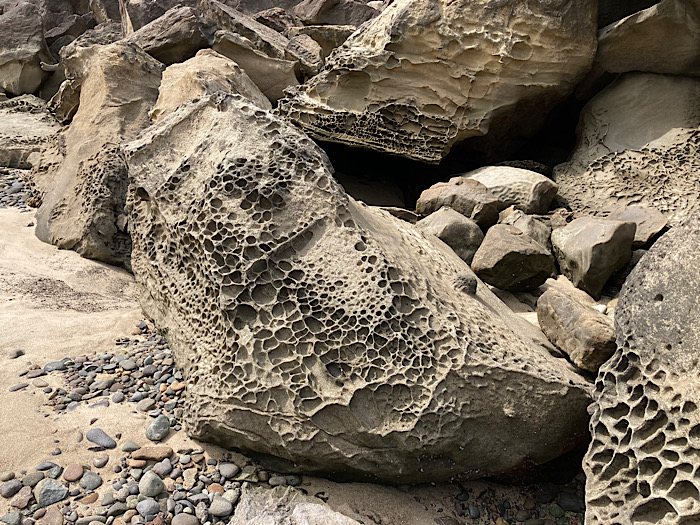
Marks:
<point>26,125</point>
<point>316,329</point>
<point>643,461</point>
<point>427,74</point>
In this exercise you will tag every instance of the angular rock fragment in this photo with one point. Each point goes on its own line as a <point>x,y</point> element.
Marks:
<point>531,226</point>
<point>527,190</point>
<point>334,12</point>
<point>424,76</point>
<point>590,250</point>
<point>650,222</point>
<point>583,333</point>
<point>262,271</point>
<point>638,144</point>
<point>26,126</point>
<point>466,196</point>
<point>204,74</point>
<point>278,19</point>
<point>328,37</point>
<point>138,13</point>
<point>640,465</point>
<point>459,233</point>
<point>510,260</point>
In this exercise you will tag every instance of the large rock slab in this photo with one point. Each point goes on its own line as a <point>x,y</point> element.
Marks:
<point>83,209</point>
<point>638,144</point>
<point>261,270</point>
<point>661,39</point>
<point>26,126</point>
<point>640,464</point>
<point>427,74</point>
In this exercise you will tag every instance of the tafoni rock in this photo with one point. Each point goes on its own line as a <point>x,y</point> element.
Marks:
<point>318,330</point>
<point>425,75</point>
<point>641,464</point>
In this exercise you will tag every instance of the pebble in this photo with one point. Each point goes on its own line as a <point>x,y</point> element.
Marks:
<point>474,512</point>
<point>40,383</point>
<point>18,386</point>
<point>158,429</point>
<point>146,405</point>
<point>277,481</point>
<point>6,476</point>
<point>73,472</point>
<point>90,481</point>
<point>22,498</point>
<point>148,508</point>
<point>571,502</point>
<point>130,446</point>
<point>117,509</point>
<point>12,518</point>
<point>522,515</point>
<point>46,465</point>
<point>228,470</point>
<point>90,498</point>
<point>53,516</point>
<point>10,488</point>
<point>49,491</point>
<point>118,397</point>
<point>100,437</point>
<point>100,461</point>
<point>151,485</point>
<point>556,511</point>
<point>89,519</point>
<point>220,507</point>
<point>31,480</point>
<point>14,354</point>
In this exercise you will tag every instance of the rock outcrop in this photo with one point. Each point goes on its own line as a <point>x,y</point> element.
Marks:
<point>638,144</point>
<point>334,12</point>
<point>26,126</point>
<point>85,186</point>
<point>427,74</point>
<point>321,331</point>
<point>642,462</point>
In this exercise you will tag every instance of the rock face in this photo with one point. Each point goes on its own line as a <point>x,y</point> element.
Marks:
<point>650,222</point>
<point>527,190</point>
<point>427,74</point>
<point>584,334</point>
<point>26,125</point>
<point>83,208</point>
<point>661,39</point>
<point>610,11</point>
<point>261,270</point>
<point>459,233</point>
<point>590,250</point>
<point>204,74</point>
<point>466,196</point>
<point>638,144</point>
<point>644,421</point>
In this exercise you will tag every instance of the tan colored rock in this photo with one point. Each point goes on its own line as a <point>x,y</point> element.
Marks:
<point>262,269</point>
<point>26,126</point>
<point>466,196</point>
<point>533,227</point>
<point>204,74</point>
<point>650,222</point>
<point>83,208</point>
<point>154,453</point>
<point>334,12</point>
<point>459,233</point>
<point>423,76</point>
<point>638,144</point>
<point>664,38</point>
<point>328,37</point>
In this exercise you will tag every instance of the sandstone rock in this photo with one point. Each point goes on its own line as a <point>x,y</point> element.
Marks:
<point>610,11</point>
<point>334,12</point>
<point>459,233</point>
<point>583,333</point>
<point>375,192</point>
<point>649,222</point>
<point>138,13</point>
<point>466,196</point>
<point>22,48</point>
<point>282,505</point>
<point>277,19</point>
<point>512,261</point>
<point>105,11</point>
<point>661,39</point>
<point>590,250</point>
<point>423,76</point>
<point>526,190</point>
<point>26,125</point>
<point>204,74</point>
<point>261,270</point>
<point>328,37</point>
<point>251,7</point>
<point>309,53</point>
<point>645,414</point>
<point>638,143</point>
<point>175,36</point>
<point>531,226</point>
<point>83,208</point>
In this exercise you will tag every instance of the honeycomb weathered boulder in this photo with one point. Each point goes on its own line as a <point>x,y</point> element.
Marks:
<point>641,464</point>
<point>427,74</point>
<point>638,144</point>
<point>590,250</point>
<point>463,235</point>
<point>26,125</point>
<point>83,208</point>
<point>527,190</point>
<point>650,222</point>
<point>204,74</point>
<point>581,332</point>
<point>322,331</point>
<point>512,261</point>
<point>466,196</point>
<point>664,38</point>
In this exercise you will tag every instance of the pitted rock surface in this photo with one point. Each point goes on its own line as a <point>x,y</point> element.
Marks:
<point>314,329</point>
<point>642,465</point>
<point>426,74</point>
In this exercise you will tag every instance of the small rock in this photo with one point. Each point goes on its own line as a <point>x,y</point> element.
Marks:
<point>148,508</point>
<point>7,476</point>
<point>130,446</point>
<point>228,470</point>
<point>90,481</point>
<point>99,437</point>
<point>184,519</point>
<point>146,405</point>
<point>22,498</point>
<point>31,480</point>
<point>53,516</point>
<point>49,491</point>
<point>14,354</point>
<point>151,485</point>
<point>12,518</point>
<point>100,461</point>
<point>158,429</point>
<point>10,488</point>
<point>73,472</point>
<point>220,507</point>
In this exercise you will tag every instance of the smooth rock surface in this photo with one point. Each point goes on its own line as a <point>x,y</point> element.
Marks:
<point>527,190</point>
<point>461,234</point>
<point>531,226</point>
<point>650,222</point>
<point>466,196</point>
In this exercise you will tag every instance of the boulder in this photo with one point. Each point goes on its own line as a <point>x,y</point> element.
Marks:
<point>610,11</point>
<point>251,7</point>
<point>639,467</point>
<point>22,48</point>
<point>661,39</point>
<point>26,126</point>
<point>334,12</point>
<point>536,229</point>
<point>260,269</point>
<point>83,208</point>
<point>204,74</point>
<point>638,143</point>
<point>175,36</point>
<point>105,11</point>
<point>136,14</point>
<point>512,261</point>
<point>650,222</point>
<point>278,19</point>
<point>526,190</point>
<point>466,196</point>
<point>328,37</point>
<point>581,332</point>
<point>459,233</point>
<point>590,250</point>
<point>423,76</point>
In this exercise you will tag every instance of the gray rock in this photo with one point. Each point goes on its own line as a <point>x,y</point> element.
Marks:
<point>466,196</point>
<point>531,226</point>
<point>130,446</point>
<point>31,479</point>
<point>220,507</point>
<point>148,508</point>
<point>527,190</point>
<point>228,470</point>
<point>146,405</point>
<point>590,250</point>
<point>12,518</point>
<point>10,488</point>
<point>185,519</point>
<point>461,234</point>
<point>90,481</point>
<point>649,222</point>
<point>49,491</point>
<point>14,354</point>
<point>150,485</point>
<point>100,437</point>
<point>158,429</point>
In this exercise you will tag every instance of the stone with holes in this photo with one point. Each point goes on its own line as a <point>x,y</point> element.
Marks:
<point>642,464</point>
